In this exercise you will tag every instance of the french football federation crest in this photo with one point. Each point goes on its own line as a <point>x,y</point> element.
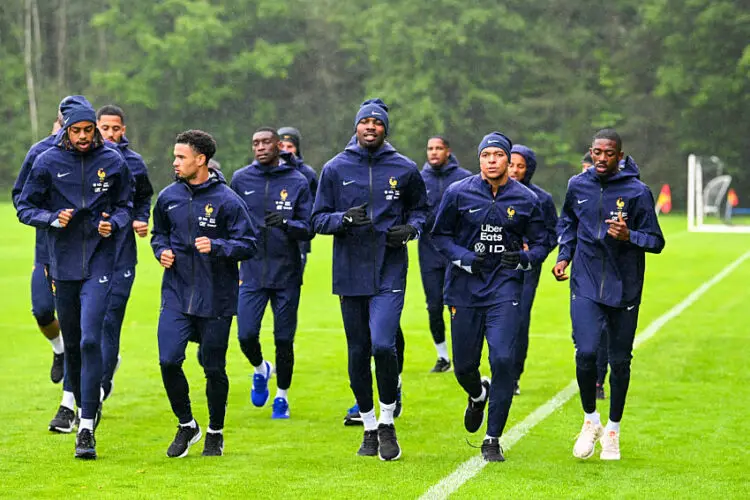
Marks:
<point>283,194</point>
<point>101,174</point>
<point>620,204</point>
<point>54,287</point>
<point>393,182</point>
<point>511,212</point>
<point>209,209</point>
<point>453,312</point>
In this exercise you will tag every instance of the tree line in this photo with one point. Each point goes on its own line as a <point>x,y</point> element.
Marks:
<point>672,76</point>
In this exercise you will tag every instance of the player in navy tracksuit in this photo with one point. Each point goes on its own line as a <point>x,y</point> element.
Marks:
<point>42,300</point>
<point>201,230</point>
<point>607,225</point>
<point>440,171</point>
<point>522,168</point>
<point>80,191</point>
<point>111,124</point>
<point>373,200</point>
<point>291,142</point>
<point>480,228</point>
<point>278,199</point>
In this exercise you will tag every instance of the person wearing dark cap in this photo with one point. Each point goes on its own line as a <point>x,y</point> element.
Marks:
<point>480,227</point>
<point>373,201</point>
<point>522,168</point>
<point>290,140</point>
<point>80,191</point>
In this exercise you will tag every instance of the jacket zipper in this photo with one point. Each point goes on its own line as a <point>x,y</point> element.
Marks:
<point>83,206</point>
<point>598,237</point>
<point>372,228</point>
<point>192,255</point>
<point>266,232</point>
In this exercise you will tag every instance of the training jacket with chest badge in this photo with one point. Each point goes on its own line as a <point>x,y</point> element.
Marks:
<point>204,285</point>
<point>472,221</point>
<point>283,188</point>
<point>436,181</point>
<point>390,184</point>
<point>90,183</point>
<point>606,270</point>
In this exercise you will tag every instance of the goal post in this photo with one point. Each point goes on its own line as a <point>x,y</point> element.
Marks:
<point>708,207</point>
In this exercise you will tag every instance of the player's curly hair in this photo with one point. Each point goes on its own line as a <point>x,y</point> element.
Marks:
<point>201,142</point>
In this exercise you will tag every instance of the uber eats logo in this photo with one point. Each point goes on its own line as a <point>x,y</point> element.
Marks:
<point>490,240</point>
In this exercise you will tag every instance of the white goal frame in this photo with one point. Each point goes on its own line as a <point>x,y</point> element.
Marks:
<point>707,199</point>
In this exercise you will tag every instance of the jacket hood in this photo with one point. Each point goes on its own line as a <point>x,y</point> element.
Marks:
<point>287,162</point>
<point>214,177</point>
<point>354,147</point>
<point>627,169</point>
<point>451,164</point>
<point>530,157</point>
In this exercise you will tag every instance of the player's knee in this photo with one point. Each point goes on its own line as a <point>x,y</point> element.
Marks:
<point>90,344</point>
<point>215,372</point>
<point>44,317</point>
<point>586,360</point>
<point>284,348</point>
<point>383,349</point>
<point>501,361</point>
<point>620,367</point>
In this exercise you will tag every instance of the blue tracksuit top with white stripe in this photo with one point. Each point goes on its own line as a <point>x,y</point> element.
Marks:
<point>472,221</point>
<point>436,181</point>
<point>142,192</point>
<point>90,183</point>
<point>606,270</point>
<point>277,264</point>
<point>41,253</point>
<point>390,184</point>
<point>204,285</point>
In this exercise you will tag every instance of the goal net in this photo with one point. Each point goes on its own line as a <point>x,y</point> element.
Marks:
<point>712,203</point>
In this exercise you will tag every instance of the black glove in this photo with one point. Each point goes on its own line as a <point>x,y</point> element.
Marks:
<point>511,258</point>
<point>484,263</point>
<point>275,219</point>
<point>356,216</point>
<point>398,236</point>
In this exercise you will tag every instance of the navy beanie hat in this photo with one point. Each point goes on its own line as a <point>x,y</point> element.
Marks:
<point>496,140</point>
<point>375,108</point>
<point>292,135</point>
<point>76,108</point>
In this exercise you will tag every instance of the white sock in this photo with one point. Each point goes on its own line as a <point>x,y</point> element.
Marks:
<point>487,436</point>
<point>482,397</point>
<point>192,424</point>
<point>613,426</point>
<point>369,420</point>
<point>442,349</point>
<point>594,417</point>
<point>261,368</point>
<point>386,413</point>
<point>101,394</point>
<point>68,400</point>
<point>281,393</point>
<point>86,423</point>
<point>57,344</point>
<point>212,431</point>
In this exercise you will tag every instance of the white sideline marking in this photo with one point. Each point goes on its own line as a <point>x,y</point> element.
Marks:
<point>474,465</point>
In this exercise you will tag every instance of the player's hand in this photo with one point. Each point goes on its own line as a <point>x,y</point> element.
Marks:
<point>105,227</point>
<point>356,216</point>
<point>559,270</point>
<point>203,244</point>
<point>140,228</point>
<point>398,236</point>
<point>618,229</point>
<point>166,259</point>
<point>275,219</point>
<point>64,216</point>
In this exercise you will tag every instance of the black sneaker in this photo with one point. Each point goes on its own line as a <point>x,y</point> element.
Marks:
<point>441,365</point>
<point>107,388</point>
<point>85,445</point>
<point>600,392</point>
<point>58,368</point>
<point>98,416</point>
<point>352,416</point>
<point>399,405</point>
<point>64,421</point>
<point>186,436</point>
<point>213,446</point>
<point>369,447</point>
<point>387,442</point>
<point>474,414</point>
<point>491,450</point>
<point>517,389</point>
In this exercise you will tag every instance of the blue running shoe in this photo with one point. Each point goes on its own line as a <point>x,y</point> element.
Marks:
<point>352,416</point>
<point>259,393</point>
<point>280,408</point>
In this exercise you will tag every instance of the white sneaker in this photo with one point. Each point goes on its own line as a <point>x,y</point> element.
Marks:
<point>590,433</point>
<point>610,445</point>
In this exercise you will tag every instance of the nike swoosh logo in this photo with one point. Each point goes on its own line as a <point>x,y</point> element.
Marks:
<point>346,183</point>
<point>249,192</point>
<point>492,142</point>
<point>103,279</point>
<point>59,175</point>
<point>473,210</point>
<point>375,113</point>
<point>582,201</point>
<point>396,291</point>
<point>630,308</point>
<point>170,207</point>
<point>127,274</point>
<point>348,219</point>
<point>514,303</point>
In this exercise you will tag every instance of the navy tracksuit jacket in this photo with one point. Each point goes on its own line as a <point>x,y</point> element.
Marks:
<point>472,222</point>
<point>312,179</point>
<point>370,277</point>
<point>81,261</point>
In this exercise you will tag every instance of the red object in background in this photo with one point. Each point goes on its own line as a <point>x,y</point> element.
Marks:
<point>664,201</point>
<point>732,198</point>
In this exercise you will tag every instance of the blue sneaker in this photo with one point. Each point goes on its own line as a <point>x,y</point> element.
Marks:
<point>280,408</point>
<point>259,394</point>
<point>352,416</point>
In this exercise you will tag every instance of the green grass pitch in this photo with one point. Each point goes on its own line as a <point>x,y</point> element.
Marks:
<point>683,435</point>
